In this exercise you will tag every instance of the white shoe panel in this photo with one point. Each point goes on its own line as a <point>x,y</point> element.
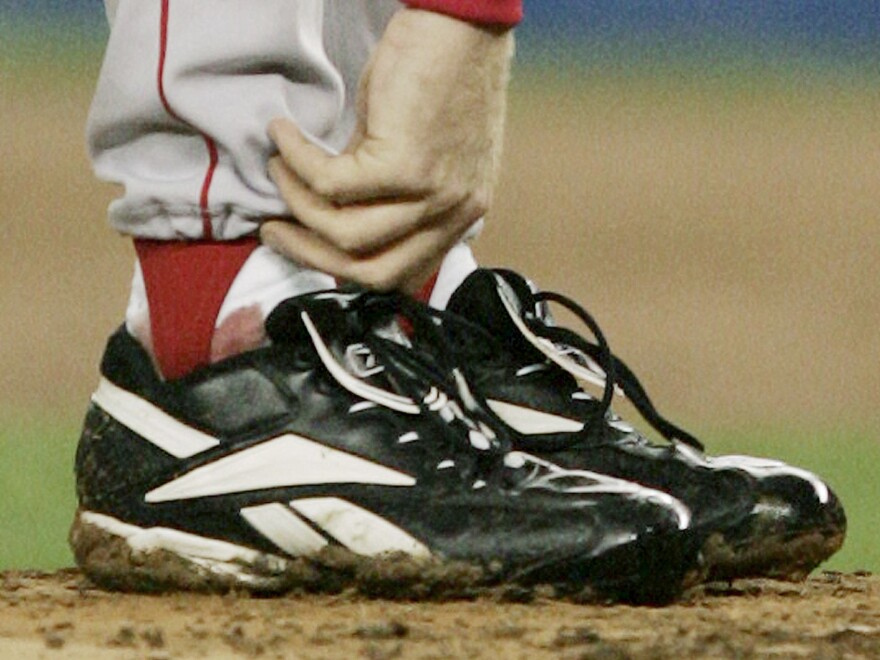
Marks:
<point>215,556</point>
<point>284,528</point>
<point>529,421</point>
<point>361,531</point>
<point>286,461</point>
<point>154,425</point>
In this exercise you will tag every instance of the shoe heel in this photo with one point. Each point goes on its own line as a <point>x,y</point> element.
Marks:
<point>123,557</point>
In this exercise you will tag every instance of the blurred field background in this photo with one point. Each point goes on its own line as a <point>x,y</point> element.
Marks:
<point>703,177</point>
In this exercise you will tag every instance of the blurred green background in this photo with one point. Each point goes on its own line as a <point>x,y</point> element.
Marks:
<point>703,177</point>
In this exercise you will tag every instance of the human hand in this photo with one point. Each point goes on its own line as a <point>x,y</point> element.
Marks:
<point>420,168</point>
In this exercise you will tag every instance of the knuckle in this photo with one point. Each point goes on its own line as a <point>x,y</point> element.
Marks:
<point>401,176</point>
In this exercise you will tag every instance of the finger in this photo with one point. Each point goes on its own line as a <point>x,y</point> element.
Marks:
<point>405,265</point>
<point>304,247</point>
<point>318,169</point>
<point>410,262</point>
<point>356,229</point>
<point>358,175</point>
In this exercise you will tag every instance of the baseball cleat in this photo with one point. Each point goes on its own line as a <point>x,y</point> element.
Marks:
<point>340,456</point>
<point>764,518</point>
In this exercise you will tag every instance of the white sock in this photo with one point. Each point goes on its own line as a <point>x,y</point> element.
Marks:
<point>458,264</point>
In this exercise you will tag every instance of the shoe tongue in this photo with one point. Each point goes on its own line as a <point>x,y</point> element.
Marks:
<point>479,299</point>
<point>286,325</point>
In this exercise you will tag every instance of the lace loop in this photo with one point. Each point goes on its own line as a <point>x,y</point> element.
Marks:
<point>616,371</point>
<point>531,328</point>
<point>604,356</point>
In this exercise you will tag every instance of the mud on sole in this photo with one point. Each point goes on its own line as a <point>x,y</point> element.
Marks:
<point>772,556</point>
<point>122,557</point>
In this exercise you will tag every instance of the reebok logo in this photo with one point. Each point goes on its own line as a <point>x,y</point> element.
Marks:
<point>286,461</point>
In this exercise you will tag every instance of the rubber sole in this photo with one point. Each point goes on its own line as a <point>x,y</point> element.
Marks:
<point>772,556</point>
<point>122,557</point>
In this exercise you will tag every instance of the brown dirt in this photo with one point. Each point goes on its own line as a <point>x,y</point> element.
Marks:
<point>60,615</point>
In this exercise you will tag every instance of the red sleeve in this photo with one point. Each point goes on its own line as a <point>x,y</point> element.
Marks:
<point>490,12</point>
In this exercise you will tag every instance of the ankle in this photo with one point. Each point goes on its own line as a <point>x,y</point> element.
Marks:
<point>184,284</point>
<point>193,304</point>
<point>243,330</point>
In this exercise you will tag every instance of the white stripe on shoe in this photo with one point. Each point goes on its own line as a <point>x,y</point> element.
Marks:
<point>529,421</point>
<point>284,528</point>
<point>594,376</point>
<point>361,531</point>
<point>151,423</point>
<point>289,460</point>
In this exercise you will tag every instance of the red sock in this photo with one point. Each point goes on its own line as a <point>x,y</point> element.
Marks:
<point>186,284</point>
<point>422,295</point>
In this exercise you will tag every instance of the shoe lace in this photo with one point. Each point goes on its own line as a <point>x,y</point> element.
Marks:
<point>616,372</point>
<point>490,459</point>
<point>459,414</point>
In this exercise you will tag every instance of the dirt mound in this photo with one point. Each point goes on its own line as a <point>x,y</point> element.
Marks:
<point>60,614</point>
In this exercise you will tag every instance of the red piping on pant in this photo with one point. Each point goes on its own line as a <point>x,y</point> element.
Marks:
<point>207,230</point>
<point>213,157</point>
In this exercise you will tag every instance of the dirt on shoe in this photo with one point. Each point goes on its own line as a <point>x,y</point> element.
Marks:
<point>111,563</point>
